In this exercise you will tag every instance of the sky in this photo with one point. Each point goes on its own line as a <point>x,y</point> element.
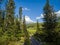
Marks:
<point>33,9</point>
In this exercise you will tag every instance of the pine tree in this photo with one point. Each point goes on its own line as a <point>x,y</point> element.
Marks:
<point>49,17</point>
<point>20,17</point>
<point>17,30</point>
<point>10,11</point>
<point>27,41</point>
<point>37,34</point>
<point>2,13</point>
<point>2,17</point>
<point>9,26</point>
<point>50,23</point>
<point>38,28</point>
<point>20,13</point>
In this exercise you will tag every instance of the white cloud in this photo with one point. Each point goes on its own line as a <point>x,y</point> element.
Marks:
<point>26,9</point>
<point>58,13</point>
<point>40,17</point>
<point>28,19</point>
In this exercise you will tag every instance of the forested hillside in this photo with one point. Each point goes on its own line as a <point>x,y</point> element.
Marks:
<point>16,28</point>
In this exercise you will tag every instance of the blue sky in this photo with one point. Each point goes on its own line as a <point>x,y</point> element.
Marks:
<point>34,8</point>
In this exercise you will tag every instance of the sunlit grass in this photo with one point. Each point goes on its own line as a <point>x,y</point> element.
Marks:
<point>22,41</point>
<point>31,32</point>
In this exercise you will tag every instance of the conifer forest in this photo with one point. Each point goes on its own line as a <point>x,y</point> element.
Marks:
<point>18,28</point>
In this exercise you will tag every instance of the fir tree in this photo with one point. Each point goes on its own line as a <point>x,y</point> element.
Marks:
<point>2,14</point>
<point>38,28</point>
<point>10,11</point>
<point>49,17</point>
<point>20,13</point>
<point>2,17</point>
<point>50,23</point>
<point>9,26</point>
<point>20,17</point>
<point>17,30</point>
<point>27,41</point>
<point>37,34</point>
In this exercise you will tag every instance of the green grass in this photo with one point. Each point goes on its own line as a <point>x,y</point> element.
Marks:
<point>31,32</point>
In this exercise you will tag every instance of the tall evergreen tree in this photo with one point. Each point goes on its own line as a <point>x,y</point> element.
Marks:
<point>20,17</point>
<point>38,28</point>
<point>0,20</point>
<point>50,22</point>
<point>1,13</point>
<point>20,13</point>
<point>27,41</point>
<point>37,34</point>
<point>1,16</point>
<point>9,26</point>
<point>49,17</point>
<point>10,11</point>
<point>17,30</point>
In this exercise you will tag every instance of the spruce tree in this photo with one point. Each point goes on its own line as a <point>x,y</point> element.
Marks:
<point>9,26</point>
<point>27,41</point>
<point>0,20</point>
<point>38,28</point>
<point>17,30</point>
<point>20,13</point>
<point>2,17</point>
<point>2,13</point>
<point>10,11</point>
<point>50,23</point>
<point>37,34</point>
<point>20,17</point>
<point>49,17</point>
